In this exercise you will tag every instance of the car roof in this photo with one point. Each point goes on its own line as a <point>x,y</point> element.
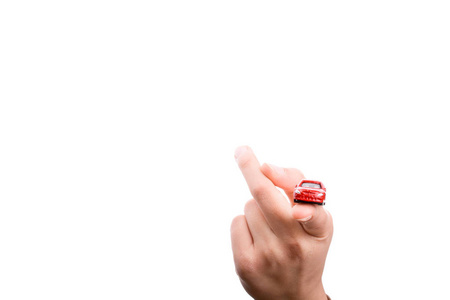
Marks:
<point>311,181</point>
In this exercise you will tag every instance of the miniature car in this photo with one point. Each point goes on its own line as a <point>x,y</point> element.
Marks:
<point>310,191</point>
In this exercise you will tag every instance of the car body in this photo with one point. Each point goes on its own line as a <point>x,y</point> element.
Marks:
<point>310,191</point>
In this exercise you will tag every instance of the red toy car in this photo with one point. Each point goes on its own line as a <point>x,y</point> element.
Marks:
<point>310,191</point>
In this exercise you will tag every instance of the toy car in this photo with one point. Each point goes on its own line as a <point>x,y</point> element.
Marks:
<point>310,191</point>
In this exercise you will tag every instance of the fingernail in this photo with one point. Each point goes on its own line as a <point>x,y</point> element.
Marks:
<point>239,151</point>
<point>276,169</point>
<point>305,219</point>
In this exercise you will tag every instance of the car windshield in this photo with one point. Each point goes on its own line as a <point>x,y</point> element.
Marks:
<point>311,185</point>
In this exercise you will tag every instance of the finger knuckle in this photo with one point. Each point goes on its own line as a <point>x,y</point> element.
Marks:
<point>245,266</point>
<point>277,213</point>
<point>250,205</point>
<point>272,258</point>
<point>244,161</point>
<point>259,190</point>
<point>293,250</point>
<point>236,222</point>
<point>270,254</point>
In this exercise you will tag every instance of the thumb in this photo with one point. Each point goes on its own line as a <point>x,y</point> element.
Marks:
<point>315,219</point>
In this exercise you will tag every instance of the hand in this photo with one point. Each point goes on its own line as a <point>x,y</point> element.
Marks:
<point>279,248</point>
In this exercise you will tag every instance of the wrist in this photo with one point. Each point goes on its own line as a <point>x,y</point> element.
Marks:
<point>314,293</point>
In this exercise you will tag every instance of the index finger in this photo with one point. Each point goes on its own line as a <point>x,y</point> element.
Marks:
<point>272,203</point>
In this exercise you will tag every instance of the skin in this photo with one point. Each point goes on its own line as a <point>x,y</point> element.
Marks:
<point>279,247</point>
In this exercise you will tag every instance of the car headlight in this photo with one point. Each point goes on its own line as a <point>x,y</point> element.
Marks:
<point>297,192</point>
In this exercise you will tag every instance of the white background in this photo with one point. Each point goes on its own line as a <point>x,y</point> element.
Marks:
<point>119,120</point>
